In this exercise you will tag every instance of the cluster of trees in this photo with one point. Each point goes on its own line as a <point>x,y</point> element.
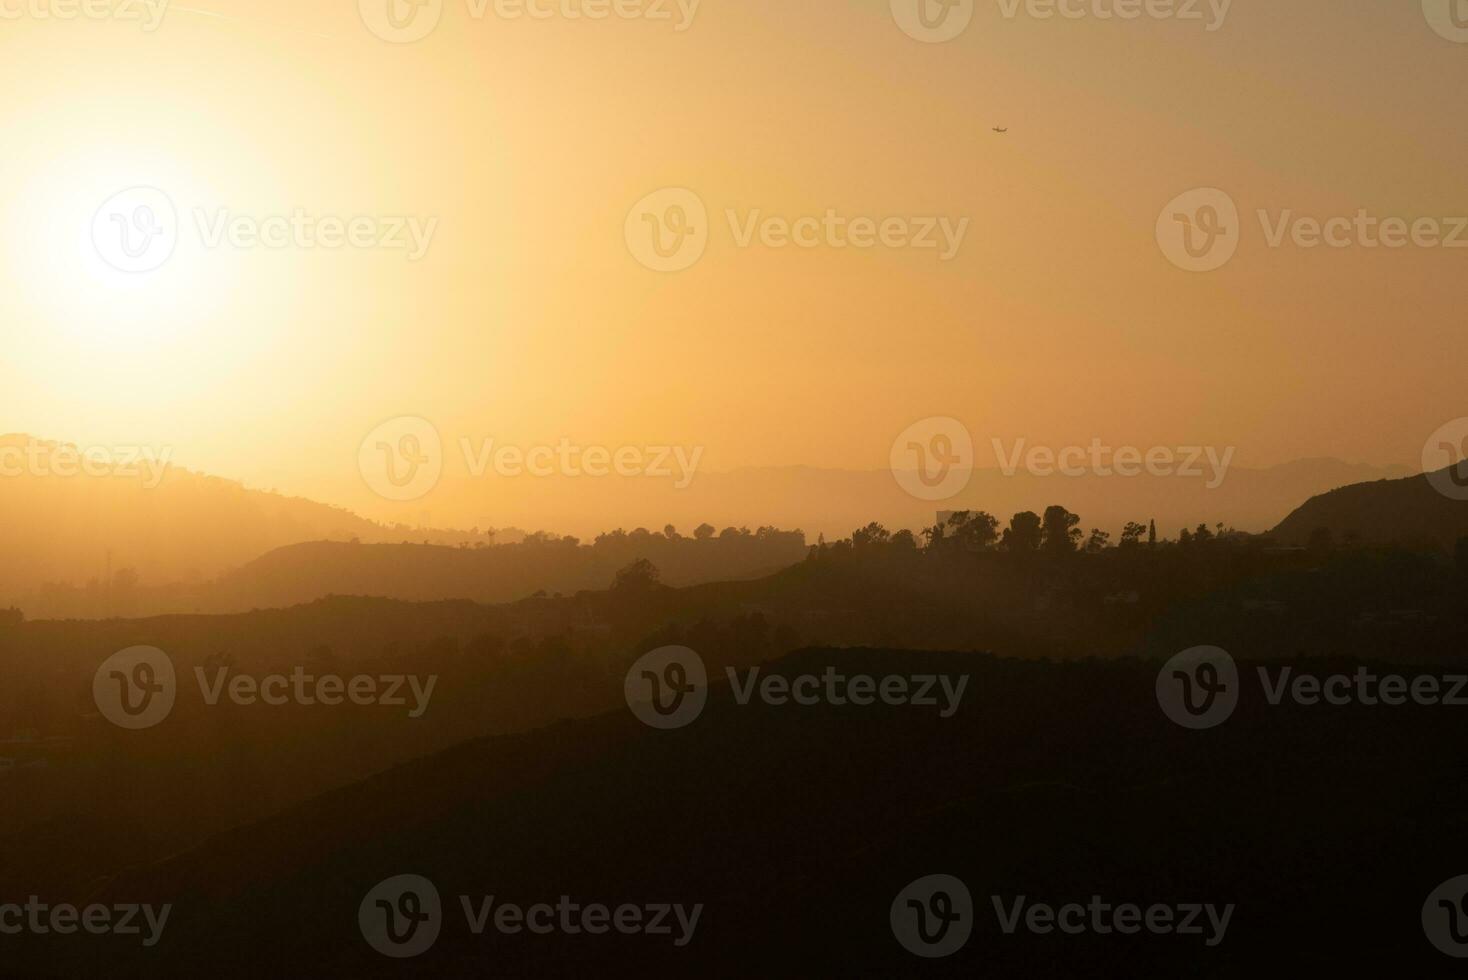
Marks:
<point>642,538</point>
<point>1055,532</point>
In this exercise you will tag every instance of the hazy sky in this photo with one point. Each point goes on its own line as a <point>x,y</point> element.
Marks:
<point>529,320</point>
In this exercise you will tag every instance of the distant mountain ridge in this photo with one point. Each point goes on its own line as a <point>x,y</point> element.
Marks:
<point>170,526</point>
<point>1412,512</point>
<point>71,541</point>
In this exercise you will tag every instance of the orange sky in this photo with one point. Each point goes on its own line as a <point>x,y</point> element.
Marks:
<point>529,320</point>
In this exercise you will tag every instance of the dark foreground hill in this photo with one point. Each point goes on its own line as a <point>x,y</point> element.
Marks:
<point>1412,513</point>
<point>796,827</point>
<point>425,572</point>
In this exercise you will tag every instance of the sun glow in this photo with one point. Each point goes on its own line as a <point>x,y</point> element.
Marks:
<point>69,273</point>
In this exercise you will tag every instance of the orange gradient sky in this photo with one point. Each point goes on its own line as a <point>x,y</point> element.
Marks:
<point>529,321</point>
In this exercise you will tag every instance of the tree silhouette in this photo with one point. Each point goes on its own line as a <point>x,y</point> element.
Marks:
<point>873,535</point>
<point>1059,534</point>
<point>965,530</point>
<point>638,576</point>
<point>1023,534</point>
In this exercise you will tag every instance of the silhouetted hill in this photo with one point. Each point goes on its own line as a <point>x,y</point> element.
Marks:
<point>1410,513</point>
<point>146,520</point>
<point>796,827</point>
<point>302,573</point>
<point>116,544</point>
<point>93,800</point>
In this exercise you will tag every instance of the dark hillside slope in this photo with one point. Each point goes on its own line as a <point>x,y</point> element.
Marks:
<point>796,827</point>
